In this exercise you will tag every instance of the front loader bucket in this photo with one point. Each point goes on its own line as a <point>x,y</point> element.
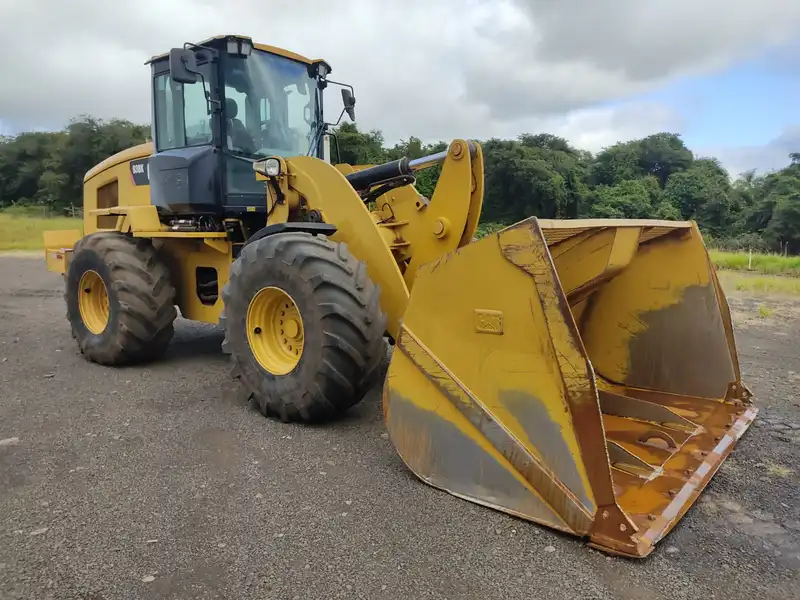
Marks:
<point>580,374</point>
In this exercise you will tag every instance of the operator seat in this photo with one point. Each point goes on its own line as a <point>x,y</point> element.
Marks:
<point>238,136</point>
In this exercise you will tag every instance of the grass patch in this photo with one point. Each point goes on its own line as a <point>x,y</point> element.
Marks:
<point>764,311</point>
<point>759,284</point>
<point>765,264</point>
<point>24,232</point>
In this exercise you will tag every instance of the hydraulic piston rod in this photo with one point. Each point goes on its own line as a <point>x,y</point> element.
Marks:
<point>403,167</point>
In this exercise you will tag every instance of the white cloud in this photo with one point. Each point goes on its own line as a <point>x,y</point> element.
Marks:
<point>595,129</point>
<point>437,70</point>
<point>767,157</point>
<point>647,40</point>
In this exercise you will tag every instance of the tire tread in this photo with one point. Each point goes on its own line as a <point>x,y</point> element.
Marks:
<point>353,325</point>
<point>146,310</point>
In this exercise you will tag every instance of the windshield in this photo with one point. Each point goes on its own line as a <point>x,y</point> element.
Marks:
<point>270,105</point>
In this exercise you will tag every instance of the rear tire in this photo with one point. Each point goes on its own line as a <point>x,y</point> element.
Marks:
<point>140,307</point>
<point>341,326</point>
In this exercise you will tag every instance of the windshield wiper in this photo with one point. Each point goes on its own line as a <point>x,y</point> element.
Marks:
<point>243,156</point>
<point>317,137</point>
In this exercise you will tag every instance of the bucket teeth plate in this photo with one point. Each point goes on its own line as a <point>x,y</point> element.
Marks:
<point>579,374</point>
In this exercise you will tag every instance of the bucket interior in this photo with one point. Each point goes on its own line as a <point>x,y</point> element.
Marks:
<point>656,328</point>
<point>579,374</point>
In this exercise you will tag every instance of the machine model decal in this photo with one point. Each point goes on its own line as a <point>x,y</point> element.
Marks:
<point>140,171</point>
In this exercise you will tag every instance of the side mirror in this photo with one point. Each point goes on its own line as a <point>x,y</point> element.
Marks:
<point>349,103</point>
<point>183,65</point>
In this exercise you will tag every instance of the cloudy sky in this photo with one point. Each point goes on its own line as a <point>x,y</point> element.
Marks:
<point>725,75</point>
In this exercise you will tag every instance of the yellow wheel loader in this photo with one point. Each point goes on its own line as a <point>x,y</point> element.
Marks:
<point>581,374</point>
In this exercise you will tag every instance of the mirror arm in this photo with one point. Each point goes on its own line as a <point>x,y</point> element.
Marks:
<point>350,110</point>
<point>211,104</point>
<point>346,85</point>
<point>213,54</point>
<point>339,120</point>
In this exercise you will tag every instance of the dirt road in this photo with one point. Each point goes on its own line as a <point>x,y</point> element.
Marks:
<point>161,482</point>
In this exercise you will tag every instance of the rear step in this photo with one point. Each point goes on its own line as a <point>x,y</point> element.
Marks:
<point>580,374</point>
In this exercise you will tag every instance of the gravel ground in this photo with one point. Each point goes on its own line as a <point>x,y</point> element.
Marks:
<point>161,482</point>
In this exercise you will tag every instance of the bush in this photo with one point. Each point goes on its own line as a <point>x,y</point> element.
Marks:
<point>740,243</point>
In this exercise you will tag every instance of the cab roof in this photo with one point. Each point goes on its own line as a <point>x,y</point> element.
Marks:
<point>264,47</point>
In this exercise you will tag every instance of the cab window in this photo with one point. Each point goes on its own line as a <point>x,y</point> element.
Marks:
<point>182,117</point>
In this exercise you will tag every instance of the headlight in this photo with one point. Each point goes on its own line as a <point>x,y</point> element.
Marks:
<point>271,167</point>
<point>322,69</point>
<point>239,47</point>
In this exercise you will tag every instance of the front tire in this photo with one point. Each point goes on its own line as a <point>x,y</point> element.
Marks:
<point>303,326</point>
<point>120,301</point>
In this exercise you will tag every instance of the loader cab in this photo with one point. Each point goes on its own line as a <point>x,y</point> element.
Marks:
<point>220,105</point>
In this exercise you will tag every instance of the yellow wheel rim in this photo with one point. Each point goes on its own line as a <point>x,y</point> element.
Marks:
<point>93,302</point>
<point>275,330</point>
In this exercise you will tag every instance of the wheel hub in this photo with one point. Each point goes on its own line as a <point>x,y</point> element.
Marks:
<point>291,328</point>
<point>275,330</point>
<point>93,302</point>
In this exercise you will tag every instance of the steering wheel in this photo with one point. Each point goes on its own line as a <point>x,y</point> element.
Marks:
<point>275,136</point>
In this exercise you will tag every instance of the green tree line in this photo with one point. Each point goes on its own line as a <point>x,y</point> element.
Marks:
<point>655,177</point>
<point>534,175</point>
<point>46,168</point>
